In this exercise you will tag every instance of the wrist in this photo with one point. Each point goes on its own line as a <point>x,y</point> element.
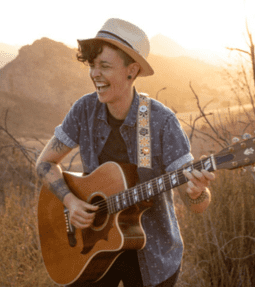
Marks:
<point>199,199</point>
<point>68,198</point>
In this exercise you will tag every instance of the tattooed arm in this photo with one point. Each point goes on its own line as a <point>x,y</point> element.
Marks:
<point>48,169</point>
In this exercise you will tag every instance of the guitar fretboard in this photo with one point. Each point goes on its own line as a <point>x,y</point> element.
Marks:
<point>147,190</point>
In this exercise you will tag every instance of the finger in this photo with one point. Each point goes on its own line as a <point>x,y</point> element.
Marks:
<point>195,188</point>
<point>203,156</point>
<point>80,222</point>
<point>197,178</point>
<point>85,218</point>
<point>208,175</point>
<point>81,212</point>
<point>81,225</point>
<point>90,206</point>
<point>193,194</point>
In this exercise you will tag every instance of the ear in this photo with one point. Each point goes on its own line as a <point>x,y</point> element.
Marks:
<point>134,69</point>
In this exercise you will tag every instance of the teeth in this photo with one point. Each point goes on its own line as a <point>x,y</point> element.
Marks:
<point>100,85</point>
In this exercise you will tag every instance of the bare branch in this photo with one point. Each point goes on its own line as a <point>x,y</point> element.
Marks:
<point>248,88</point>
<point>252,51</point>
<point>205,117</point>
<point>39,141</point>
<point>203,133</point>
<point>5,118</point>
<point>17,144</point>
<point>232,239</point>
<point>239,50</point>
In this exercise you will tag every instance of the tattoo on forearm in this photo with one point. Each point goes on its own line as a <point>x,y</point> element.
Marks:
<point>43,168</point>
<point>59,188</point>
<point>57,145</point>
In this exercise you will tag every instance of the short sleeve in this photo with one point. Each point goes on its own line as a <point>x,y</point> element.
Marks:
<point>69,131</point>
<point>176,146</point>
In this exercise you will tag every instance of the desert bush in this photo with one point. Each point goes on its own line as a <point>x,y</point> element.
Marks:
<point>21,261</point>
<point>220,243</point>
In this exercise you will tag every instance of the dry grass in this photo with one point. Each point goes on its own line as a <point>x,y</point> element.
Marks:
<point>21,262</point>
<point>219,244</point>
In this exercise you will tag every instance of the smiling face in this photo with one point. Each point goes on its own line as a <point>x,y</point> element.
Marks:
<point>110,76</point>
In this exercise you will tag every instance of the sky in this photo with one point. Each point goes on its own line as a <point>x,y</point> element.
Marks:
<point>194,24</point>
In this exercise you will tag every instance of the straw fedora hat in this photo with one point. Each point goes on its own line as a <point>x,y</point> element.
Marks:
<point>129,38</point>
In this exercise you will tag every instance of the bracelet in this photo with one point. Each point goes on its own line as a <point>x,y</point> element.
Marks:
<point>198,200</point>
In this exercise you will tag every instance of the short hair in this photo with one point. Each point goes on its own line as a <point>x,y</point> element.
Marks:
<point>87,53</point>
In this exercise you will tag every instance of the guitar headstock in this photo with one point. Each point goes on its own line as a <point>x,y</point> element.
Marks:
<point>241,153</point>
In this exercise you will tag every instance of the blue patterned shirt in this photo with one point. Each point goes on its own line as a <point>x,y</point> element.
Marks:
<point>86,125</point>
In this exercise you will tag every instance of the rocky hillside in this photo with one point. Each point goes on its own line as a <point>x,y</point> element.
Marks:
<point>47,76</point>
<point>46,71</point>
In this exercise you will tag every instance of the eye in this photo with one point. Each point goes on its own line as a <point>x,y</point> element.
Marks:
<point>105,66</point>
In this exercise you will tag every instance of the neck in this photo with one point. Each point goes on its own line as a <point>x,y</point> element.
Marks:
<point>119,110</point>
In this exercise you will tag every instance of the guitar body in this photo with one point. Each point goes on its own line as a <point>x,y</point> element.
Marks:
<point>96,247</point>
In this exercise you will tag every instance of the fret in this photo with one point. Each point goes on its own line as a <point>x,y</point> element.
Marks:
<point>149,190</point>
<point>155,189</point>
<point>207,164</point>
<point>112,204</point>
<point>135,195</point>
<point>117,201</point>
<point>109,206</point>
<point>123,200</point>
<point>129,195</point>
<point>160,184</point>
<point>167,182</point>
<point>174,179</point>
<point>142,192</point>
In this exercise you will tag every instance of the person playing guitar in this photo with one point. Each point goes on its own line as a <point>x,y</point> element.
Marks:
<point>104,125</point>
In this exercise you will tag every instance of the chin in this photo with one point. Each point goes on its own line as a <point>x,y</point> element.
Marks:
<point>102,98</point>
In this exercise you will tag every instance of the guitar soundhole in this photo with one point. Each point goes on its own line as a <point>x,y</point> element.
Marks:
<point>102,215</point>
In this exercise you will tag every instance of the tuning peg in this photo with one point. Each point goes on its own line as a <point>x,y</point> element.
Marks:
<point>246,136</point>
<point>235,140</point>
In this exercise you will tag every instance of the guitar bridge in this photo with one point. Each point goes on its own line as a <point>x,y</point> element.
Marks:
<point>70,229</point>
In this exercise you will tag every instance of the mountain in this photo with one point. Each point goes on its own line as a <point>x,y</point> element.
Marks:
<point>7,54</point>
<point>48,72</point>
<point>176,74</point>
<point>164,46</point>
<point>44,80</point>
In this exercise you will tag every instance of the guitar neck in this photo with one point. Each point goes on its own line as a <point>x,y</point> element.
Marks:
<point>147,190</point>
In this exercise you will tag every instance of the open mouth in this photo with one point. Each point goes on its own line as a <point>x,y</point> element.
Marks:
<point>101,86</point>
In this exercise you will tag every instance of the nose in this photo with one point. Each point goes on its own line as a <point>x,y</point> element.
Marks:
<point>95,72</point>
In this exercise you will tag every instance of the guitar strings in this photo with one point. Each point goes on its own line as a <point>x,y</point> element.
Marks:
<point>112,205</point>
<point>129,192</point>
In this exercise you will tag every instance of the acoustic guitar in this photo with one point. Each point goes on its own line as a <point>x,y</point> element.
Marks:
<point>74,255</point>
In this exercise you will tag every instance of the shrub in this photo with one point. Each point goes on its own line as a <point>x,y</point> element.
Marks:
<point>220,243</point>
